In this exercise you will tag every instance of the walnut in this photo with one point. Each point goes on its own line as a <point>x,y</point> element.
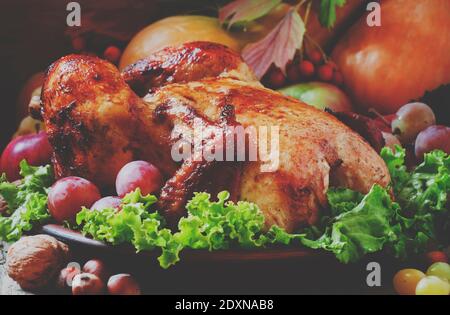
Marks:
<point>34,261</point>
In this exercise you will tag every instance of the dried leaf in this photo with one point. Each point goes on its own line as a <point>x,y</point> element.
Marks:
<point>278,47</point>
<point>246,10</point>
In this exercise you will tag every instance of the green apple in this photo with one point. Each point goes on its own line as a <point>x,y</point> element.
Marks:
<point>320,95</point>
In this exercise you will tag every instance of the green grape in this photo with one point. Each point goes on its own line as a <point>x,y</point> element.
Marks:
<point>432,285</point>
<point>411,119</point>
<point>439,269</point>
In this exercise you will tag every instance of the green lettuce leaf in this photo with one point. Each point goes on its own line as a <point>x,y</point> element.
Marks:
<point>135,223</point>
<point>356,224</point>
<point>210,225</point>
<point>423,196</point>
<point>359,225</point>
<point>27,201</point>
<point>362,226</point>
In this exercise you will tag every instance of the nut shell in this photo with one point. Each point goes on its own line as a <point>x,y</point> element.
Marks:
<point>34,261</point>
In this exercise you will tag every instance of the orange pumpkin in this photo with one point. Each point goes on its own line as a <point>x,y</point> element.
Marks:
<point>174,31</point>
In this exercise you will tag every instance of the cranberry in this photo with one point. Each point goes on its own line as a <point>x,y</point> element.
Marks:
<point>325,73</point>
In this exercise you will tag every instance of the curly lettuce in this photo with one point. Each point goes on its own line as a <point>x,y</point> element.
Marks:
<point>423,196</point>
<point>26,201</point>
<point>362,226</point>
<point>403,219</point>
<point>359,225</point>
<point>209,225</point>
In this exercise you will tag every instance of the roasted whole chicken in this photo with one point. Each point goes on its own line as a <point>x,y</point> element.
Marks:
<point>98,119</point>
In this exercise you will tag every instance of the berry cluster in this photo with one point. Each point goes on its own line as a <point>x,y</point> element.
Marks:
<point>112,53</point>
<point>313,66</point>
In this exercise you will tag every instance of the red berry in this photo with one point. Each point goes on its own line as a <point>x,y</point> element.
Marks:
<point>78,43</point>
<point>325,73</point>
<point>293,73</point>
<point>306,68</point>
<point>315,56</point>
<point>332,65</point>
<point>337,78</point>
<point>276,78</point>
<point>436,256</point>
<point>112,54</point>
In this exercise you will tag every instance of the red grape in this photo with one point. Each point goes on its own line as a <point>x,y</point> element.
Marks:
<point>68,195</point>
<point>138,174</point>
<point>432,138</point>
<point>107,202</point>
<point>306,68</point>
<point>325,73</point>
<point>411,119</point>
<point>34,148</point>
<point>123,284</point>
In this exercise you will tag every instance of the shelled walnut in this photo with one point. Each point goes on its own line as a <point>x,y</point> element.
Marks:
<point>34,261</point>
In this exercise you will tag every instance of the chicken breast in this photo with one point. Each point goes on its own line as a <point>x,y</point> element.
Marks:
<point>96,124</point>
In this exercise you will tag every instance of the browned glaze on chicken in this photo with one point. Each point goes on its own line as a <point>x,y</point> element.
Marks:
<point>190,62</point>
<point>96,124</point>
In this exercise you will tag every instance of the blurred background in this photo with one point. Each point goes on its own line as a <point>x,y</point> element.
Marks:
<point>34,33</point>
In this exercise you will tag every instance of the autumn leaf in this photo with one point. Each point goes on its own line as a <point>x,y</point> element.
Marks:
<point>327,14</point>
<point>278,47</point>
<point>246,10</point>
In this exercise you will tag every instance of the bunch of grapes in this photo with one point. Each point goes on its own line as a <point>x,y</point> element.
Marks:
<point>415,126</point>
<point>434,282</point>
<point>311,66</point>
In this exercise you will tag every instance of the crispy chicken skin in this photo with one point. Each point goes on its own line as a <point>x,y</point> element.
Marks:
<point>96,123</point>
<point>190,62</point>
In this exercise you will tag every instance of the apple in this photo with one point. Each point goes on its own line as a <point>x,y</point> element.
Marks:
<point>34,148</point>
<point>320,95</point>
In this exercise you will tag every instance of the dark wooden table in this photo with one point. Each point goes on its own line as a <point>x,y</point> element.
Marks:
<point>287,276</point>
